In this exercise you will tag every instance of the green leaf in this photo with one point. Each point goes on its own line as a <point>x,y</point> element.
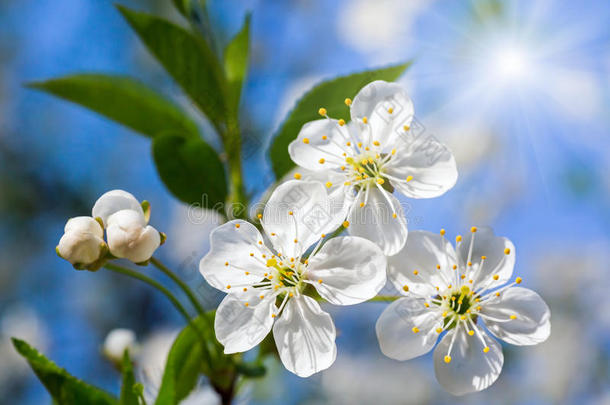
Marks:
<point>191,170</point>
<point>183,6</point>
<point>236,63</point>
<point>63,387</point>
<point>185,360</point>
<point>128,394</point>
<point>121,99</point>
<point>187,58</point>
<point>252,369</point>
<point>330,95</point>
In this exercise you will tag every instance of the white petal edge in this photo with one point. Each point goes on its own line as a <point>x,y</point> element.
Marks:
<point>113,201</point>
<point>375,221</point>
<point>234,250</point>
<point>422,253</point>
<point>428,165</point>
<point>352,270</point>
<point>239,327</point>
<point>499,253</point>
<point>395,334</point>
<point>84,224</point>
<point>296,215</point>
<point>533,322</point>
<point>305,337</point>
<point>320,145</point>
<point>470,369</point>
<point>374,101</point>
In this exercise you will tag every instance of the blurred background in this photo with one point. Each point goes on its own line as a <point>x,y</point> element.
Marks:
<point>519,90</point>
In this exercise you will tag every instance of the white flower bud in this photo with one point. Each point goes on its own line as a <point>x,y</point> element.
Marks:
<point>114,201</point>
<point>130,238</point>
<point>117,341</point>
<point>82,242</point>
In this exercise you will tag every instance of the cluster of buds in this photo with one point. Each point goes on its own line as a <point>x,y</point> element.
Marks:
<point>128,235</point>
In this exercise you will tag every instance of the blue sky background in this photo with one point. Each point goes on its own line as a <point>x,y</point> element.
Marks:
<point>519,90</point>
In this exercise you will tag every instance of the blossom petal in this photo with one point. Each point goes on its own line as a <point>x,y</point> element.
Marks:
<point>470,368</point>
<point>296,215</point>
<point>84,225</point>
<point>80,248</point>
<point>415,266</point>
<point>533,322</point>
<point>351,270</point>
<point>130,238</point>
<point>234,250</point>
<point>499,253</point>
<point>395,329</point>
<point>320,145</point>
<point>239,327</point>
<point>424,169</point>
<point>305,337</point>
<point>114,201</point>
<point>340,195</point>
<point>375,101</point>
<point>375,220</point>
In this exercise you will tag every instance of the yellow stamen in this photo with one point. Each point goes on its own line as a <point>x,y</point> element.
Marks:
<point>348,101</point>
<point>322,111</point>
<point>297,176</point>
<point>341,122</point>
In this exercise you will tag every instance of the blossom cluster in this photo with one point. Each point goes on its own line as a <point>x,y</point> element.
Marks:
<point>277,269</point>
<point>128,235</point>
<point>346,178</point>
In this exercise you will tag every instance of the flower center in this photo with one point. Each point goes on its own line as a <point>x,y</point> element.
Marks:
<point>367,169</point>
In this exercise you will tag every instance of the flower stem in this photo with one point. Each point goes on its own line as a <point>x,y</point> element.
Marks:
<point>384,298</point>
<point>189,293</point>
<point>134,274</point>
<point>153,283</point>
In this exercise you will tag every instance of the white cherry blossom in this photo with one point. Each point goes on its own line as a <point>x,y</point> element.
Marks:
<point>457,291</point>
<point>83,242</point>
<point>363,162</point>
<point>127,231</point>
<point>117,341</point>
<point>270,282</point>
